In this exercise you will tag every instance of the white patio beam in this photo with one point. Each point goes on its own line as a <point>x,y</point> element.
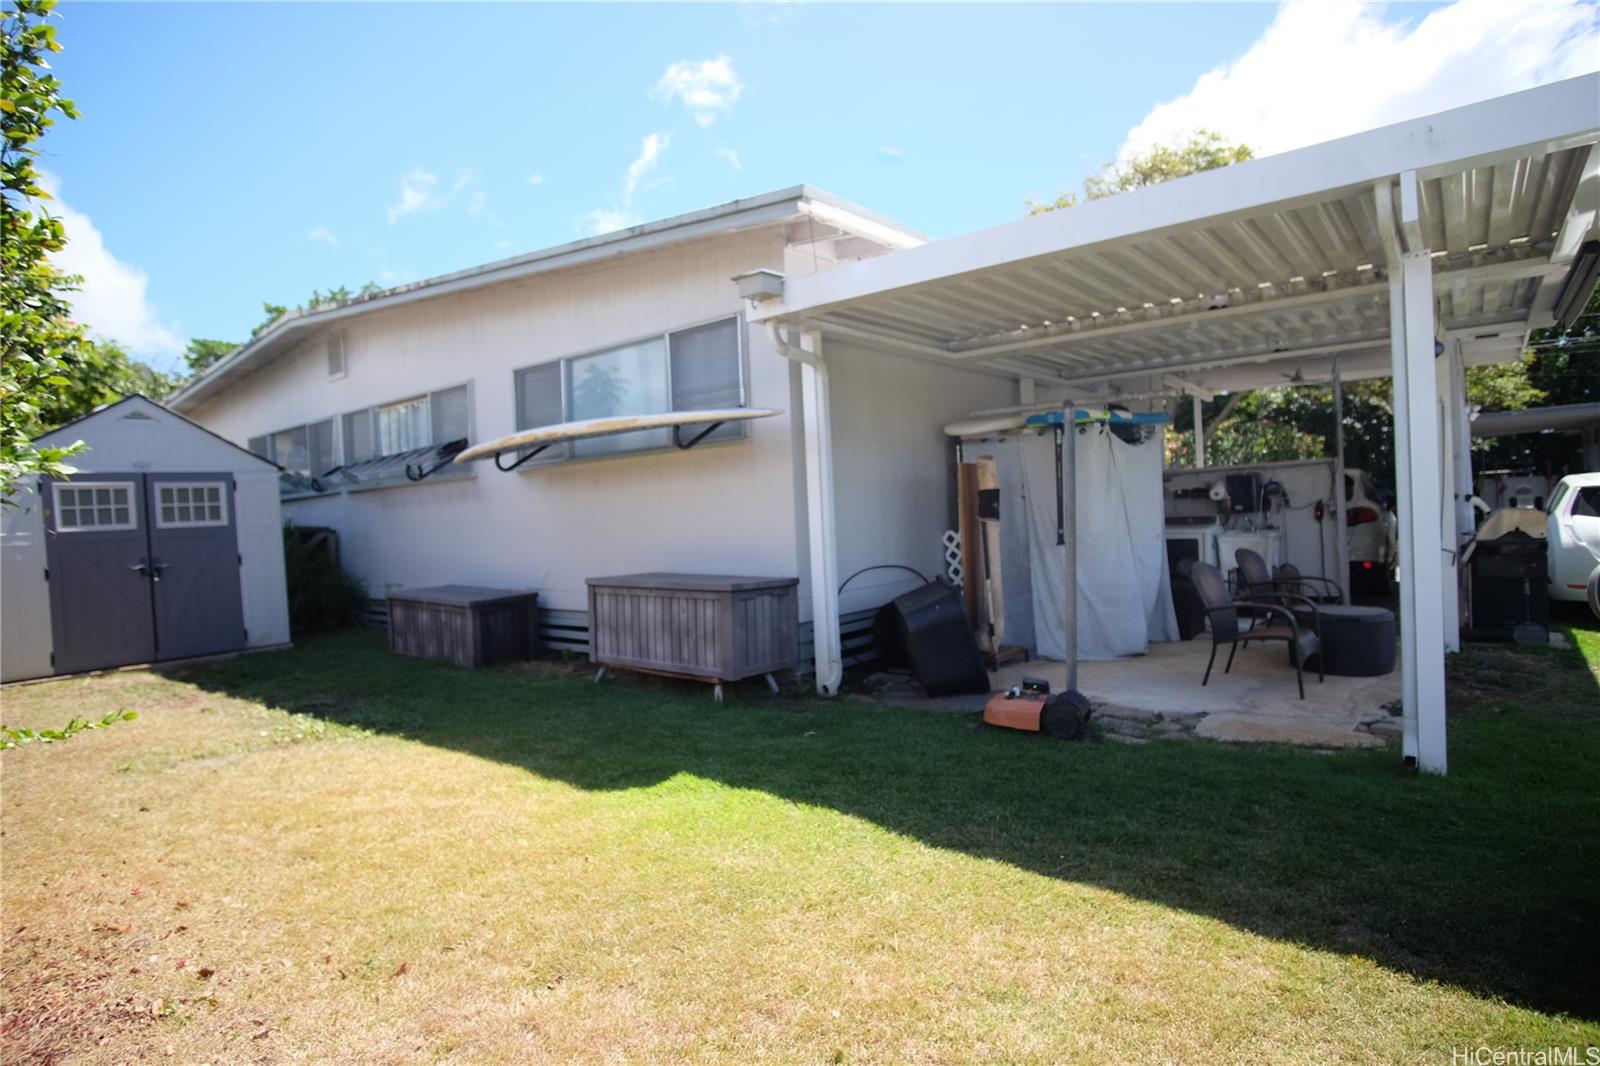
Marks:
<point>1548,118</point>
<point>1582,221</point>
<point>1417,446</point>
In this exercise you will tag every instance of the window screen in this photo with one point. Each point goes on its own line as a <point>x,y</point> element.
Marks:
<point>290,448</point>
<point>91,506</point>
<point>450,414</point>
<point>320,447</point>
<point>630,380</point>
<point>706,373</point>
<point>259,446</point>
<point>403,426</point>
<point>358,441</point>
<point>539,403</point>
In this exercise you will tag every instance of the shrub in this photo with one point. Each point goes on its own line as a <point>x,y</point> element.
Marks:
<point>321,594</point>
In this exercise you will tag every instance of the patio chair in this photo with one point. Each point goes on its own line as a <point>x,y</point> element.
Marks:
<point>1224,611</point>
<point>1261,582</point>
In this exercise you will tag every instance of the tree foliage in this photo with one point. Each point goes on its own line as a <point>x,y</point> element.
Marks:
<point>315,300</point>
<point>1202,150</point>
<point>42,342</point>
<point>202,354</point>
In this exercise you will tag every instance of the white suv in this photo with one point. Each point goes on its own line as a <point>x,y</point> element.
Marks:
<point>1371,531</point>
<point>1573,535</point>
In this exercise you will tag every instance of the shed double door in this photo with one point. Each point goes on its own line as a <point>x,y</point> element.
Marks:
<point>142,567</point>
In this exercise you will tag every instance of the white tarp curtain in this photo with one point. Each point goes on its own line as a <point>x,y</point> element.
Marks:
<point>1124,596</point>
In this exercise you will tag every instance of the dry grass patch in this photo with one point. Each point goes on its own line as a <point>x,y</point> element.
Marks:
<point>331,855</point>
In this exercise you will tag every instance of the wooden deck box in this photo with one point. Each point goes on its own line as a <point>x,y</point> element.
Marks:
<point>712,627</point>
<point>464,624</point>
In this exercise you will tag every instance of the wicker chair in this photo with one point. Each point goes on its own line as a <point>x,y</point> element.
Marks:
<point>1280,624</point>
<point>1260,582</point>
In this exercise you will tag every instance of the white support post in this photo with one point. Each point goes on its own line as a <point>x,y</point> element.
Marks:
<point>1199,433</point>
<point>1418,461</point>
<point>1422,570</point>
<point>829,660</point>
<point>1341,527</point>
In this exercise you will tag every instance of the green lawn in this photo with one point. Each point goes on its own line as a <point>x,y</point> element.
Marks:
<point>331,854</point>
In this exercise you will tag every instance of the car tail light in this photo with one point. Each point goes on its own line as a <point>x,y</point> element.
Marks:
<point>1360,516</point>
<point>1366,564</point>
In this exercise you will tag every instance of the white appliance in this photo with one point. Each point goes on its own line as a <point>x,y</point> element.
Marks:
<point>1267,543</point>
<point>1193,538</point>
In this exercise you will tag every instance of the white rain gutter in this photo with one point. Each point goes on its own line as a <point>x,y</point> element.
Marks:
<point>820,524</point>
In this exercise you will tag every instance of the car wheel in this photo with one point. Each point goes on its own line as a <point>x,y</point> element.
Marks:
<point>1594,591</point>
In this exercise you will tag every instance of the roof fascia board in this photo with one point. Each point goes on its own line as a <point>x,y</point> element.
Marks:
<point>1548,118</point>
<point>740,215</point>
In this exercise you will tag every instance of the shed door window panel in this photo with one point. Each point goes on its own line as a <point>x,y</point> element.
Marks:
<point>92,506</point>
<point>181,505</point>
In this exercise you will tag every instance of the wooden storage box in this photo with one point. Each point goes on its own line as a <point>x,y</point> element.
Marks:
<point>464,624</point>
<point>708,626</point>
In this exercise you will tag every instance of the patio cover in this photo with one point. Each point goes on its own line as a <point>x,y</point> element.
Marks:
<point>1449,235</point>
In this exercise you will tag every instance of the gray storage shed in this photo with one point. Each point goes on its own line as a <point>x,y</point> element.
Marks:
<point>165,544</point>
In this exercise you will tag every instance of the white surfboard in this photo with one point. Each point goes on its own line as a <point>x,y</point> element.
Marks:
<point>989,426</point>
<point>586,428</point>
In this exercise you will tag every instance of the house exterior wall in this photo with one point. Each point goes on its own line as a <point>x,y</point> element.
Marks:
<point>894,468</point>
<point>154,441</point>
<point>722,508</point>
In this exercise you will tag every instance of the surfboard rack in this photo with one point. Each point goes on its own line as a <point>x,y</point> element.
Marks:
<point>498,465</point>
<point>539,438</point>
<point>445,452</point>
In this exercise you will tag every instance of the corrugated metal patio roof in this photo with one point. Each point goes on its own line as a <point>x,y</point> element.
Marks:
<point>1272,259</point>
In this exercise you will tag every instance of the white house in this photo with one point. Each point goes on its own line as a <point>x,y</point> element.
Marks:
<point>651,311</point>
<point>1415,250</point>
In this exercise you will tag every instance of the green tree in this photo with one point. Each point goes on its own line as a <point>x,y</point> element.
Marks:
<point>41,339</point>
<point>95,373</point>
<point>1202,150</point>
<point>202,354</point>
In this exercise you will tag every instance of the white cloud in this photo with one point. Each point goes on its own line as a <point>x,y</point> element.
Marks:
<point>730,157</point>
<point>707,87</point>
<point>323,235</point>
<point>503,245</point>
<point>112,299</point>
<point>418,192</point>
<point>890,152</point>
<point>621,215</point>
<point>1325,70</point>
<point>536,178</point>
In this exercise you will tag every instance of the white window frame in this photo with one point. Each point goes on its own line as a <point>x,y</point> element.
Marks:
<point>177,523</point>
<point>665,337</point>
<point>75,486</point>
<point>427,398</point>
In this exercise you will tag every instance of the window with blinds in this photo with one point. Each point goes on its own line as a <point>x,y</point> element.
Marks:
<point>306,449</point>
<point>405,425</point>
<point>694,369</point>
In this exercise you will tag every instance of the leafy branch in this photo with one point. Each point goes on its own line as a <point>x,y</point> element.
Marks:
<point>12,738</point>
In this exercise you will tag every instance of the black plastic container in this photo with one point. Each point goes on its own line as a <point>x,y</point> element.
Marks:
<point>943,652</point>
<point>1510,585</point>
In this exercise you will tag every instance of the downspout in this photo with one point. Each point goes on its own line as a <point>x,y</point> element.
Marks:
<point>818,427</point>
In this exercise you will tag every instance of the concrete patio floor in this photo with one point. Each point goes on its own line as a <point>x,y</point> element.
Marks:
<point>1159,695</point>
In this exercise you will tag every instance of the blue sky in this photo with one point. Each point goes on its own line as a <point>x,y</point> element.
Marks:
<point>231,154</point>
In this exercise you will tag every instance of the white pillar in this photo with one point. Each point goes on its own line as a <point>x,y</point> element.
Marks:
<point>1422,543</point>
<point>1199,433</point>
<point>1447,378</point>
<point>1341,527</point>
<point>829,660</point>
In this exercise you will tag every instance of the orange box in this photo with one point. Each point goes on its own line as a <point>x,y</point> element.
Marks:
<point>1007,713</point>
